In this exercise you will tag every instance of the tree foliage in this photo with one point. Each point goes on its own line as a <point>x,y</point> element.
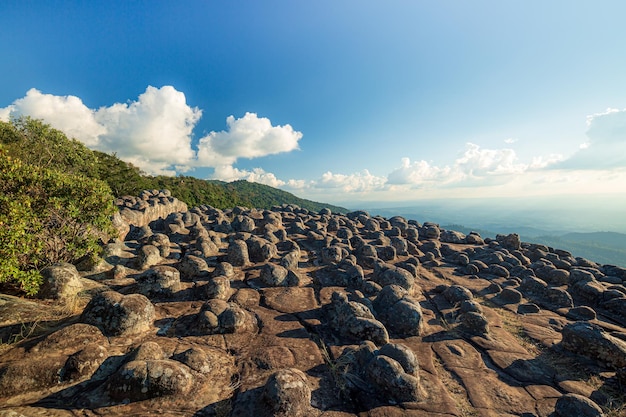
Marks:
<point>48,212</point>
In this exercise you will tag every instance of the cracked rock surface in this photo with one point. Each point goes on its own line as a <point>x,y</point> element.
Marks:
<point>286,312</point>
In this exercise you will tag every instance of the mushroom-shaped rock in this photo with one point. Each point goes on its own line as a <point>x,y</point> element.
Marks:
<point>116,314</point>
<point>278,276</point>
<point>159,280</point>
<point>142,379</point>
<point>286,394</point>
<point>60,281</point>
<point>354,320</point>
<point>570,405</point>
<point>238,253</point>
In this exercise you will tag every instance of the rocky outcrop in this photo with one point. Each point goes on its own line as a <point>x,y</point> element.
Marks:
<point>288,312</point>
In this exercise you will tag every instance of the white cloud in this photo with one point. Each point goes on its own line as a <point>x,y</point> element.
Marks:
<point>157,127</point>
<point>606,147</point>
<point>357,182</point>
<point>480,162</point>
<point>154,132</point>
<point>418,172</point>
<point>66,113</point>
<point>248,137</point>
<point>510,141</point>
<point>229,173</point>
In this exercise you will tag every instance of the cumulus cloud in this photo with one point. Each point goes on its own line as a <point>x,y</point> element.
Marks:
<point>606,147</point>
<point>229,173</point>
<point>157,127</point>
<point>362,181</point>
<point>474,164</point>
<point>154,132</point>
<point>418,172</point>
<point>66,113</point>
<point>247,137</point>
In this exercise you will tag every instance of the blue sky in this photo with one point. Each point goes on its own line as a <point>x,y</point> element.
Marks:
<point>338,101</point>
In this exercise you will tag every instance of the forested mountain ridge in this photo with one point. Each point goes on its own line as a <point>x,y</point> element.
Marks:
<point>36,143</point>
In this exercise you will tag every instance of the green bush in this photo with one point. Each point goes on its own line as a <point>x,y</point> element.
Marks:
<point>47,216</point>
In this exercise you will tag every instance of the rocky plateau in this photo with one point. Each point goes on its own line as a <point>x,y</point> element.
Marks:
<point>287,312</point>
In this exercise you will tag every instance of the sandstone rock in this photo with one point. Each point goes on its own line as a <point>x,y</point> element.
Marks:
<point>61,281</point>
<point>238,253</point>
<point>576,405</point>
<point>287,394</point>
<point>160,280</point>
<point>400,313</point>
<point>193,267</point>
<point>590,340</point>
<point>142,379</point>
<point>119,315</point>
<point>149,256</point>
<point>354,320</point>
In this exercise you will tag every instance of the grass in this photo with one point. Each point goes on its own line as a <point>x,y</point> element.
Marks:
<point>44,321</point>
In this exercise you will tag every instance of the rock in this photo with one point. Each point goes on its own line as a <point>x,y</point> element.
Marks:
<point>162,242</point>
<point>149,256</point>
<point>119,315</point>
<point>456,293</point>
<point>61,281</point>
<point>160,281</point>
<point>570,405</point>
<point>400,313</point>
<point>510,241</point>
<point>354,320</point>
<point>590,340</point>
<point>509,296</point>
<point>274,275</point>
<point>193,267</point>
<point>238,253</point>
<point>581,313</point>
<point>287,394</point>
<point>474,323</point>
<point>219,287</point>
<point>142,379</point>
<point>528,308</point>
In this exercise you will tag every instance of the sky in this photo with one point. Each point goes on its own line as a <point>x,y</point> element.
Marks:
<point>346,102</point>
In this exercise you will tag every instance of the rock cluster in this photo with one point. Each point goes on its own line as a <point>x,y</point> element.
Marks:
<point>287,312</point>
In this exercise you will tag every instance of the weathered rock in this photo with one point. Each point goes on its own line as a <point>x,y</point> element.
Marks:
<point>118,315</point>
<point>142,379</point>
<point>61,281</point>
<point>589,340</point>
<point>354,320</point>
<point>149,256</point>
<point>193,267</point>
<point>238,253</point>
<point>570,405</point>
<point>287,394</point>
<point>400,313</point>
<point>159,280</point>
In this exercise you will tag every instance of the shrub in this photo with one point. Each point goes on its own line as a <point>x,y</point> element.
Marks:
<point>47,216</point>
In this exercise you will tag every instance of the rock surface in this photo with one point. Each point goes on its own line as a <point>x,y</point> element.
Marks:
<point>286,312</point>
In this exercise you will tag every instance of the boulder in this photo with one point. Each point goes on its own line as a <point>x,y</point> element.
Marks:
<point>119,315</point>
<point>61,281</point>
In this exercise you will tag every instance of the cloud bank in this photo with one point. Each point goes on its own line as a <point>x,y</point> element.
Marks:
<point>155,131</point>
